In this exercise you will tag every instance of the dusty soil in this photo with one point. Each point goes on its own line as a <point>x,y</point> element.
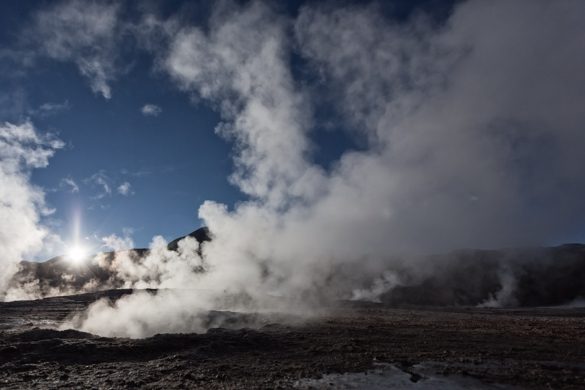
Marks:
<point>528,348</point>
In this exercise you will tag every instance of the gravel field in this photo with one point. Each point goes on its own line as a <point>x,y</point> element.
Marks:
<point>411,347</point>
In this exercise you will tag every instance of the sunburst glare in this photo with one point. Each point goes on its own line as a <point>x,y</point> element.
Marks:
<point>77,253</point>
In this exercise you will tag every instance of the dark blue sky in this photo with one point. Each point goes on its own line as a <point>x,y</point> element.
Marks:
<point>172,162</point>
<point>141,153</point>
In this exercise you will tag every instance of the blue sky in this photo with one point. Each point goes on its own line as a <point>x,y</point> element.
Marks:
<point>141,152</point>
<point>121,169</point>
<point>173,161</point>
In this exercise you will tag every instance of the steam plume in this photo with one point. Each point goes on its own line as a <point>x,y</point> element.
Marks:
<point>473,133</point>
<point>21,150</point>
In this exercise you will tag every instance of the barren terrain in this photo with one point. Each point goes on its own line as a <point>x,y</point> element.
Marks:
<point>496,348</point>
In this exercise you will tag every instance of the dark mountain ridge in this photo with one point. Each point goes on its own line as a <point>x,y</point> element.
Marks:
<point>526,277</point>
<point>59,276</point>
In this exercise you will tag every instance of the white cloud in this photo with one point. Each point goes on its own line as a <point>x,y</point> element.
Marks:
<point>48,109</point>
<point>125,189</point>
<point>151,110</point>
<point>69,184</point>
<point>135,173</point>
<point>242,64</point>
<point>101,181</point>
<point>106,186</point>
<point>85,33</point>
<point>22,204</point>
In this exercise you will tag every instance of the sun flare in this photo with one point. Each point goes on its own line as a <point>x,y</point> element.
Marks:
<point>77,253</point>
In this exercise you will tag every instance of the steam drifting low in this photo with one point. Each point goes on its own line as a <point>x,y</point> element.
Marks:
<point>472,134</point>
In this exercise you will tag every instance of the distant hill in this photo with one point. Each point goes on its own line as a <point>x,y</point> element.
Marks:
<point>201,235</point>
<point>544,276</point>
<point>58,276</point>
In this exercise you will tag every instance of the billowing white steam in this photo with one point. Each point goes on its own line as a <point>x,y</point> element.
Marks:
<point>21,204</point>
<point>161,268</point>
<point>473,131</point>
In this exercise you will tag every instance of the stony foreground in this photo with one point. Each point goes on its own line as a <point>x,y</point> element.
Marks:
<point>527,348</point>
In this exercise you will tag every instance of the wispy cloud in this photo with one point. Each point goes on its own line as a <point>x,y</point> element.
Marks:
<point>135,173</point>
<point>83,32</point>
<point>100,181</point>
<point>106,186</point>
<point>125,189</point>
<point>151,110</point>
<point>50,108</point>
<point>69,184</point>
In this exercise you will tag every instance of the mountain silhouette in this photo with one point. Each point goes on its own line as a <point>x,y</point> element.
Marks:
<point>59,276</point>
<point>525,277</point>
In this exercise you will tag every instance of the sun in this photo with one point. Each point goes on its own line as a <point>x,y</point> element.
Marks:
<point>77,253</point>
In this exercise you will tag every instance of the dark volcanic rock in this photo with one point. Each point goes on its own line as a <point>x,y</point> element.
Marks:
<point>201,235</point>
<point>37,334</point>
<point>530,348</point>
<point>58,276</point>
<point>509,277</point>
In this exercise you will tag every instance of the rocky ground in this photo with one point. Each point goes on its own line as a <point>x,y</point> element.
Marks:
<point>526,348</point>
